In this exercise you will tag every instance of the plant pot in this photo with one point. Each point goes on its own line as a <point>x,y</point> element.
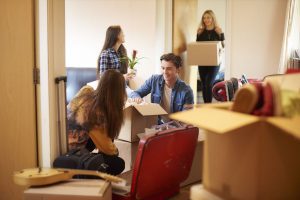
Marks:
<point>132,71</point>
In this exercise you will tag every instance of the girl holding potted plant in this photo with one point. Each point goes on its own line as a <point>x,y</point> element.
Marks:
<point>112,52</point>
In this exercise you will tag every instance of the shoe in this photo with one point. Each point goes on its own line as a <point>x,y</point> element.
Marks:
<point>219,91</point>
<point>229,90</point>
<point>245,99</point>
<point>235,84</point>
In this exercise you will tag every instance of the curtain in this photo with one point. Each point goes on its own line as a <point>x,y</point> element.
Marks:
<point>291,37</point>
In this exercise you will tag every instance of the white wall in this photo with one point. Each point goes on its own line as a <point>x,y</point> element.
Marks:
<point>256,32</point>
<point>87,21</point>
<point>219,8</point>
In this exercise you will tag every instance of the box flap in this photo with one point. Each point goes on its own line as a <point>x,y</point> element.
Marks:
<point>150,109</point>
<point>290,126</point>
<point>213,119</point>
<point>287,81</point>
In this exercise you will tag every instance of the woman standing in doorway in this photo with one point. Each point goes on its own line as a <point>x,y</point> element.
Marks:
<point>113,49</point>
<point>209,30</point>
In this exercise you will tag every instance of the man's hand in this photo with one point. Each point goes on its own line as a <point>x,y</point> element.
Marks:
<point>188,106</point>
<point>137,100</point>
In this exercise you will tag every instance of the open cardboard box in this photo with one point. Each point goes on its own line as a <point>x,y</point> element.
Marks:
<point>137,118</point>
<point>206,53</point>
<point>248,157</point>
<point>127,151</point>
<point>197,165</point>
<point>73,189</point>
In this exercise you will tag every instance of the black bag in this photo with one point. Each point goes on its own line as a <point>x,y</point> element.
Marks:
<point>81,159</point>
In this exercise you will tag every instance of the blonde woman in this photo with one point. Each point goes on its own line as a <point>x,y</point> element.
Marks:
<point>209,30</point>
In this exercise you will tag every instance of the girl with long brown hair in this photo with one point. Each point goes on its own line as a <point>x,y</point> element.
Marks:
<point>100,112</point>
<point>112,51</point>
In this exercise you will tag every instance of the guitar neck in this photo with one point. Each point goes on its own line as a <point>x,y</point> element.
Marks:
<point>105,176</point>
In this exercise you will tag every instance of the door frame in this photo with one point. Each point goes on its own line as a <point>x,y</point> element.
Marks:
<point>50,59</point>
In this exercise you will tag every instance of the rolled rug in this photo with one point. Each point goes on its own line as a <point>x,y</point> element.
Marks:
<point>267,108</point>
<point>245,99</point>
<point>269,103</point>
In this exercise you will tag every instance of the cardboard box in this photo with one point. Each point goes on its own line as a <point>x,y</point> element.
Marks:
<point>137,118</point>
<point>206,53</point>
<point>248,157</point>
<point>74,189</point>
<point>196,169</point>
<point>127,151</point>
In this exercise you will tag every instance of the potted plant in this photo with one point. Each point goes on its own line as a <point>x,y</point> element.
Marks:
<point>131,62</point>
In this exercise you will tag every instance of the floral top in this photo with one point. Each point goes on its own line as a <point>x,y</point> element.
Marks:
<point>109,59</point>
<point>98,134</point>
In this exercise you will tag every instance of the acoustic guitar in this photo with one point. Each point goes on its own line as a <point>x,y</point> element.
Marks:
<point>45,176</point>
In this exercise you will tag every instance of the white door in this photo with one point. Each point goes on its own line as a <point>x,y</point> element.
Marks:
<point>17,99</point>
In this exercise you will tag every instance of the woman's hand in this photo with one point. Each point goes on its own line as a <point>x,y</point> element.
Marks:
<point>128,76</point>
<point>200,30</point>
<point>218,30</point>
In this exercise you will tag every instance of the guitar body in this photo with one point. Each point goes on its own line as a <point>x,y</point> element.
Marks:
<point>46,176</point>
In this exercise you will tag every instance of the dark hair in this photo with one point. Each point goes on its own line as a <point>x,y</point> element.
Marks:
<point>171,57</point>
<point>111,39</point>
<point>104,107</point>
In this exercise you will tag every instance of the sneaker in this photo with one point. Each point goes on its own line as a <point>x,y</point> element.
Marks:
<point>235,84</point>
<point>219,91</point>
<point>229,90</point>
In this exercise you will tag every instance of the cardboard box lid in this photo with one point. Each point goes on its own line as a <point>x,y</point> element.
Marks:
<point>222,121</point>
<point>214,119</point>
<point>288,125</point>
<point>147,109</point>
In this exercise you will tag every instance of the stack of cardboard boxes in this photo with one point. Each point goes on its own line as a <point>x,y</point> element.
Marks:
<point>246,156</point>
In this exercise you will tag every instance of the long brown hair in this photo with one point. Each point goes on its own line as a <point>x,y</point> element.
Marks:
<point>104,107</point>
<point>111,39</point>
<point>213,16</point>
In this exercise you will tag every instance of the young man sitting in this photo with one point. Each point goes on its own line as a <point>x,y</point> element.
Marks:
<point>167,89</point>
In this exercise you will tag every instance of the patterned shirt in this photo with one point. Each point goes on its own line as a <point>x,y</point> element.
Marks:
<point>98,133</point>
<point>109,59</point>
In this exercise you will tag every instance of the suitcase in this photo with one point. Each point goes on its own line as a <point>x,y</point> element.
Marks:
<point>162,162</point>
<point>61,114</point>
